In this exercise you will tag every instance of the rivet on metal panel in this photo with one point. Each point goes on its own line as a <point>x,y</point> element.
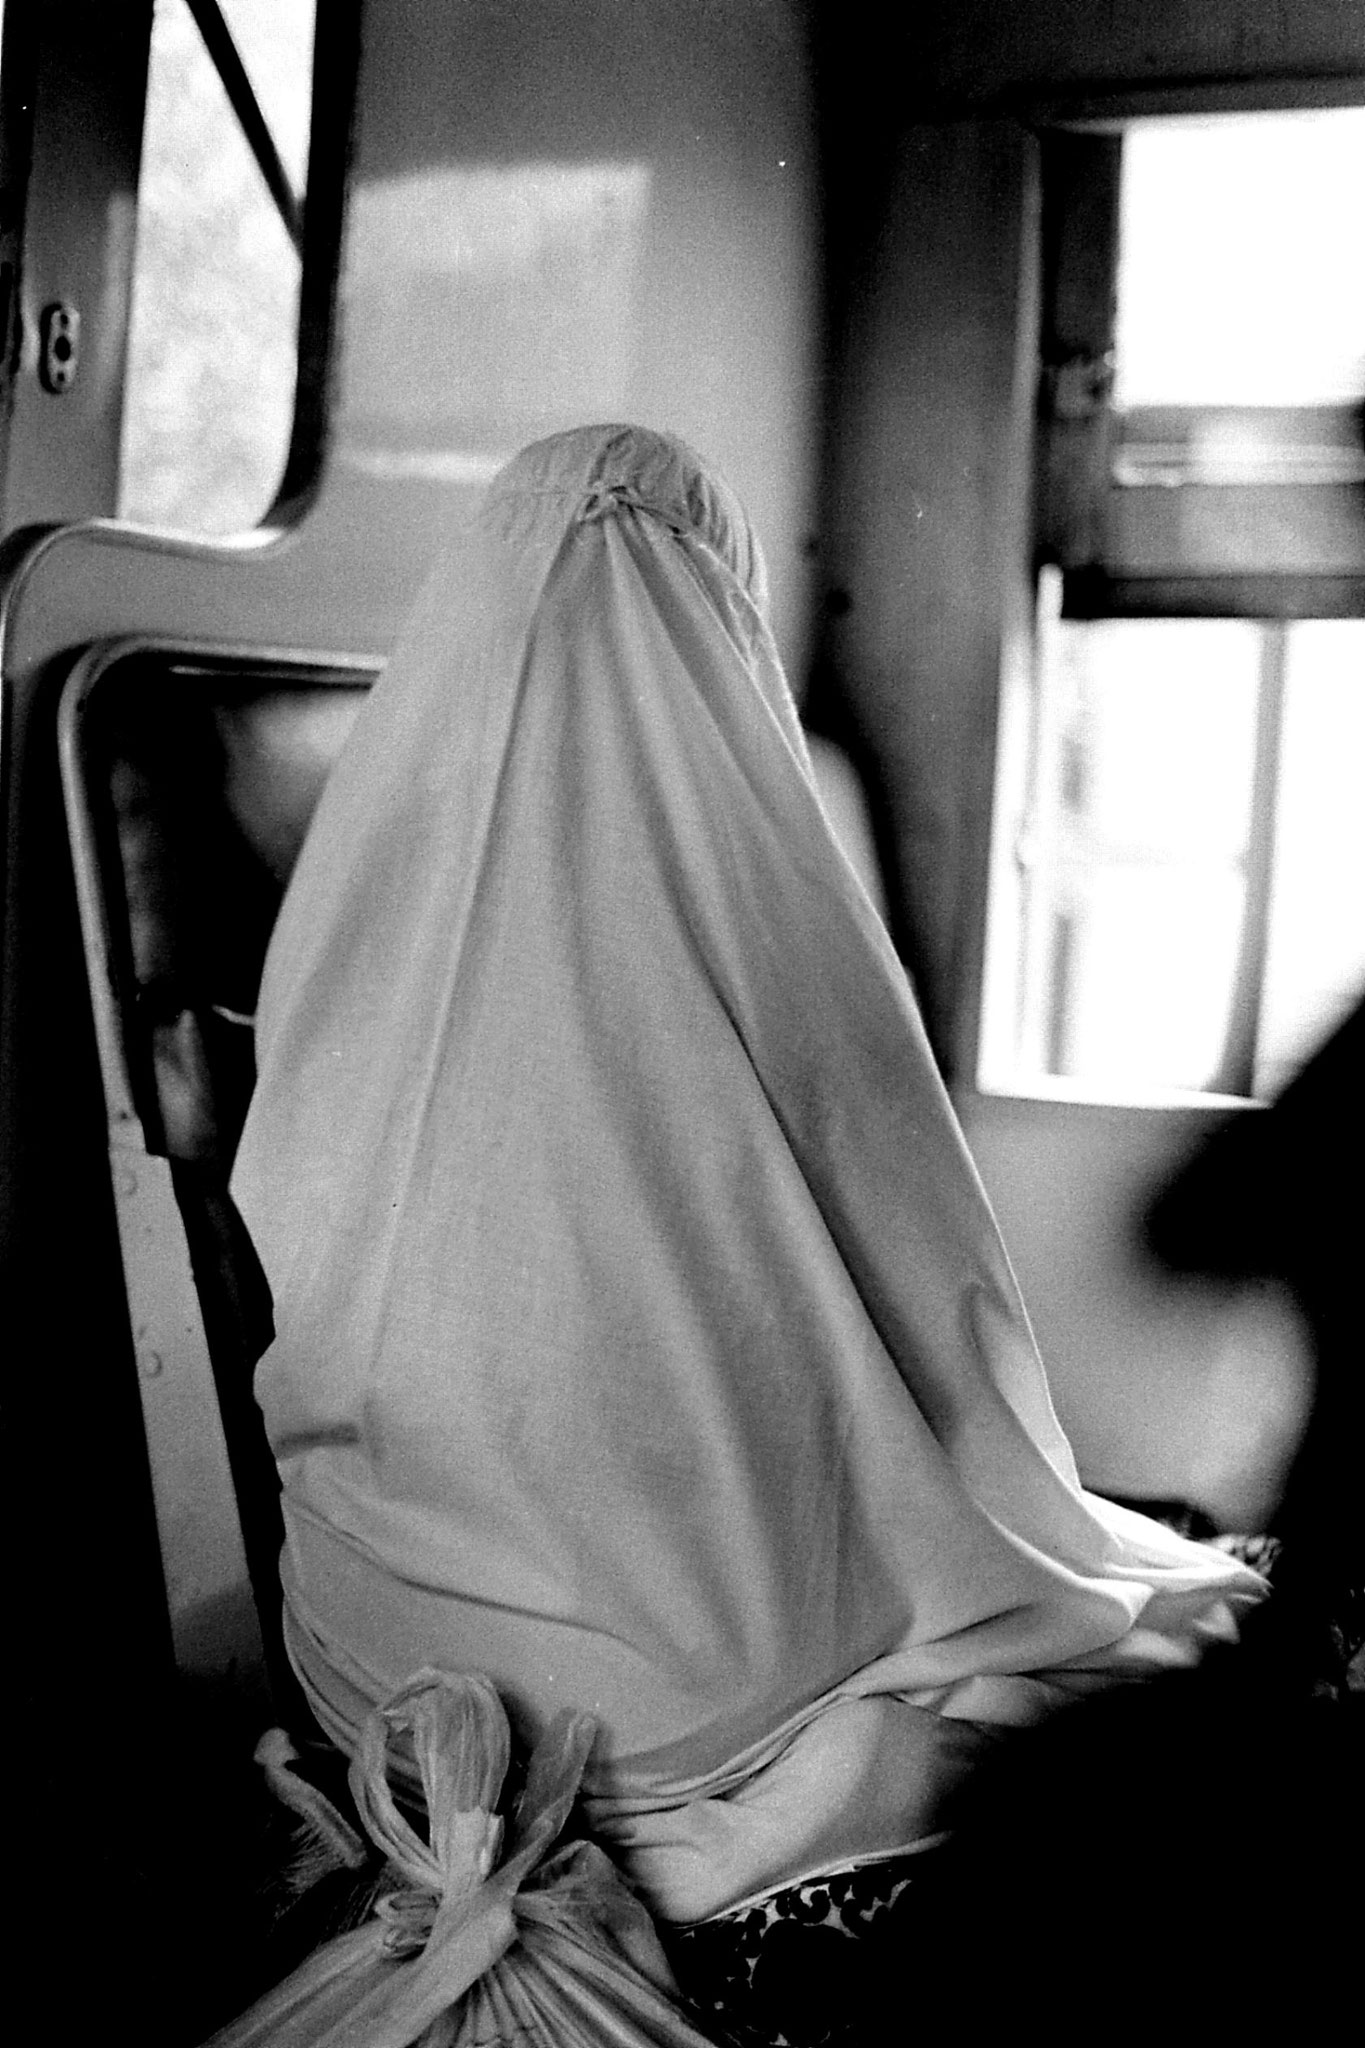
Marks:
<point>59,334</point>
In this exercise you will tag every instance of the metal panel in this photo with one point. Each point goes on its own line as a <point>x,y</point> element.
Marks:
<point>79,198</point>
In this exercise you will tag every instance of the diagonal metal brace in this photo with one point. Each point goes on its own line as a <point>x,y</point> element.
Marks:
<point>217,40</point>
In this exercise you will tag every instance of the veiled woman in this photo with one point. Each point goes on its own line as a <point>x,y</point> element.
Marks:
<point>644,1338</point>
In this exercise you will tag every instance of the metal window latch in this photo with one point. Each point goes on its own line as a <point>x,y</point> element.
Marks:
<point>1080,387</point>
<point>59,335</point>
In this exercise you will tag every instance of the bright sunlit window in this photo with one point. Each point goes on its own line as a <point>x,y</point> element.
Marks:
<point>1178,896</point>
<point>1241,279</point>
<point>213,342</point>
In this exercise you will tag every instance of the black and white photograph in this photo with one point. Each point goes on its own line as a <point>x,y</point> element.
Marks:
<point>682,1021</point>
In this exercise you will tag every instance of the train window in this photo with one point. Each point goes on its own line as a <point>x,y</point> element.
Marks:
<point>1175,895</point>
<point>213,341</point>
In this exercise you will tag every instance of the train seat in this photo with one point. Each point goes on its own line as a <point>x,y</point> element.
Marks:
<point>199,781</point>
<point>189,780</point>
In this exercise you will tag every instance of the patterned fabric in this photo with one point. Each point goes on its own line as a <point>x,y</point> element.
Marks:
<point>804,1968</point>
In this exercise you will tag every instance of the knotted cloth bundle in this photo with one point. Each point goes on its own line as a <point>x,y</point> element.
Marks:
<point>488,1933</point>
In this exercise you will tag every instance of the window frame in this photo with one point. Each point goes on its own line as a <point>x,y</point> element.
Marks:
<point>1077,444</point>
<point>313,220</point>
<point>1113,511</point>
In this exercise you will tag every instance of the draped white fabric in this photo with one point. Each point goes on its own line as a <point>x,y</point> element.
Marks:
<point>645,1340</point>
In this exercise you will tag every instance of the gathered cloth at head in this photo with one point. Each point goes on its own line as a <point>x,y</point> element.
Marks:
<point>644,1337</point>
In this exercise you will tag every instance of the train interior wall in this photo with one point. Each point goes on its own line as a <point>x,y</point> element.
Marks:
<point>804,238</point>
<point>560,215</point>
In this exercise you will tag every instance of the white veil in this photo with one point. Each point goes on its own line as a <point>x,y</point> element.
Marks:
<point>645,1339</point>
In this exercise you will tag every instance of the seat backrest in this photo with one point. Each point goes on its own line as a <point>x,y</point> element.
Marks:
<point>199,780</point>
<point>190,779</point>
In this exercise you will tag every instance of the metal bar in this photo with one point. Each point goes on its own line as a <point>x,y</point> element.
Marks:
<point>1095,594</point>
<point>217,40</point>
<point>1079,250</point>
<point>1237,1069</point>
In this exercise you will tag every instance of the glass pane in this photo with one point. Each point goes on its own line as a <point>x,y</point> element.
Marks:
<point>274,40</point>
<point>1241,268</point>
<point>1180,868</point>
<point>1189,859</point>
<point>213,345</point>
<point>1136,837</point>
<point>1150,976</point>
